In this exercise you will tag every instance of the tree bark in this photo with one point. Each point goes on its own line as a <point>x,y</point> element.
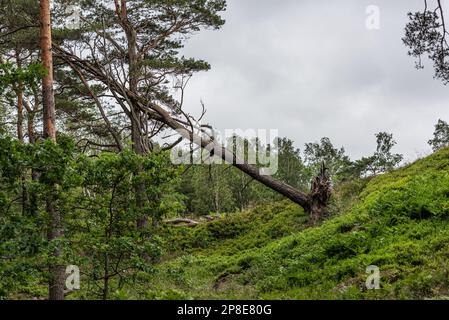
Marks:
<point>31,112</point>
<point>30,127</point>
<point>32,196</point>
<point>19,93</point>
<point>136,113</point>
<point>320,194</point>
<point>57,272</point>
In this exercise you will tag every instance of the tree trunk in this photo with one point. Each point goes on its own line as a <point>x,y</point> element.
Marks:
<point>30,127</point>
<point>57,272</point>
<point>136,113</point>
<point>19,93</point>
<point>139,189</point>
<point>32,196</point>
<point>20,112</point>
<point>105,294</point>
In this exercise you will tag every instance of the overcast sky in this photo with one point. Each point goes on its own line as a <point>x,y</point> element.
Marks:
<point>313,69</point>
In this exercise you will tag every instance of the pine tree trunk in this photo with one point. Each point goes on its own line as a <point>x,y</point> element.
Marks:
<point>20,112</point>
<point>139,189</point>
<point>57,272</point>
<point>136,113</point>
<point>47,82</point>
<point>32,196</point>
<point>56,281</point>
<point>105,293</point>
<point>319,196</point>
<point>19,93</point>
<point>30,127</point>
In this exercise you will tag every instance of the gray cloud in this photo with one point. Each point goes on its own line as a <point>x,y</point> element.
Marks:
<point>312,69</point>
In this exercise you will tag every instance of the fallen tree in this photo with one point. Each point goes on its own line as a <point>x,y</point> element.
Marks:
<point>182,222</point>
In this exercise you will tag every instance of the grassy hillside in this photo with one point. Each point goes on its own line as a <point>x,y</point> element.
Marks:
<point>397,221</point>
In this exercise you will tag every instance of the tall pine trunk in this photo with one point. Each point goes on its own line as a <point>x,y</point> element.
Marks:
<point>56,280</point>
<point>32,196</point>
<point>48,98</point>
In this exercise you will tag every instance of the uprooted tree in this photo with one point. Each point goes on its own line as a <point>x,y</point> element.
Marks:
<point>132,48</point>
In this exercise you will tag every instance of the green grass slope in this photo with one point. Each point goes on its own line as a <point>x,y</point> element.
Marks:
<point>397,222</point>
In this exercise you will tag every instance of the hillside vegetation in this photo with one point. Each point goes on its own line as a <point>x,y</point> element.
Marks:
<point>396,221</point>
